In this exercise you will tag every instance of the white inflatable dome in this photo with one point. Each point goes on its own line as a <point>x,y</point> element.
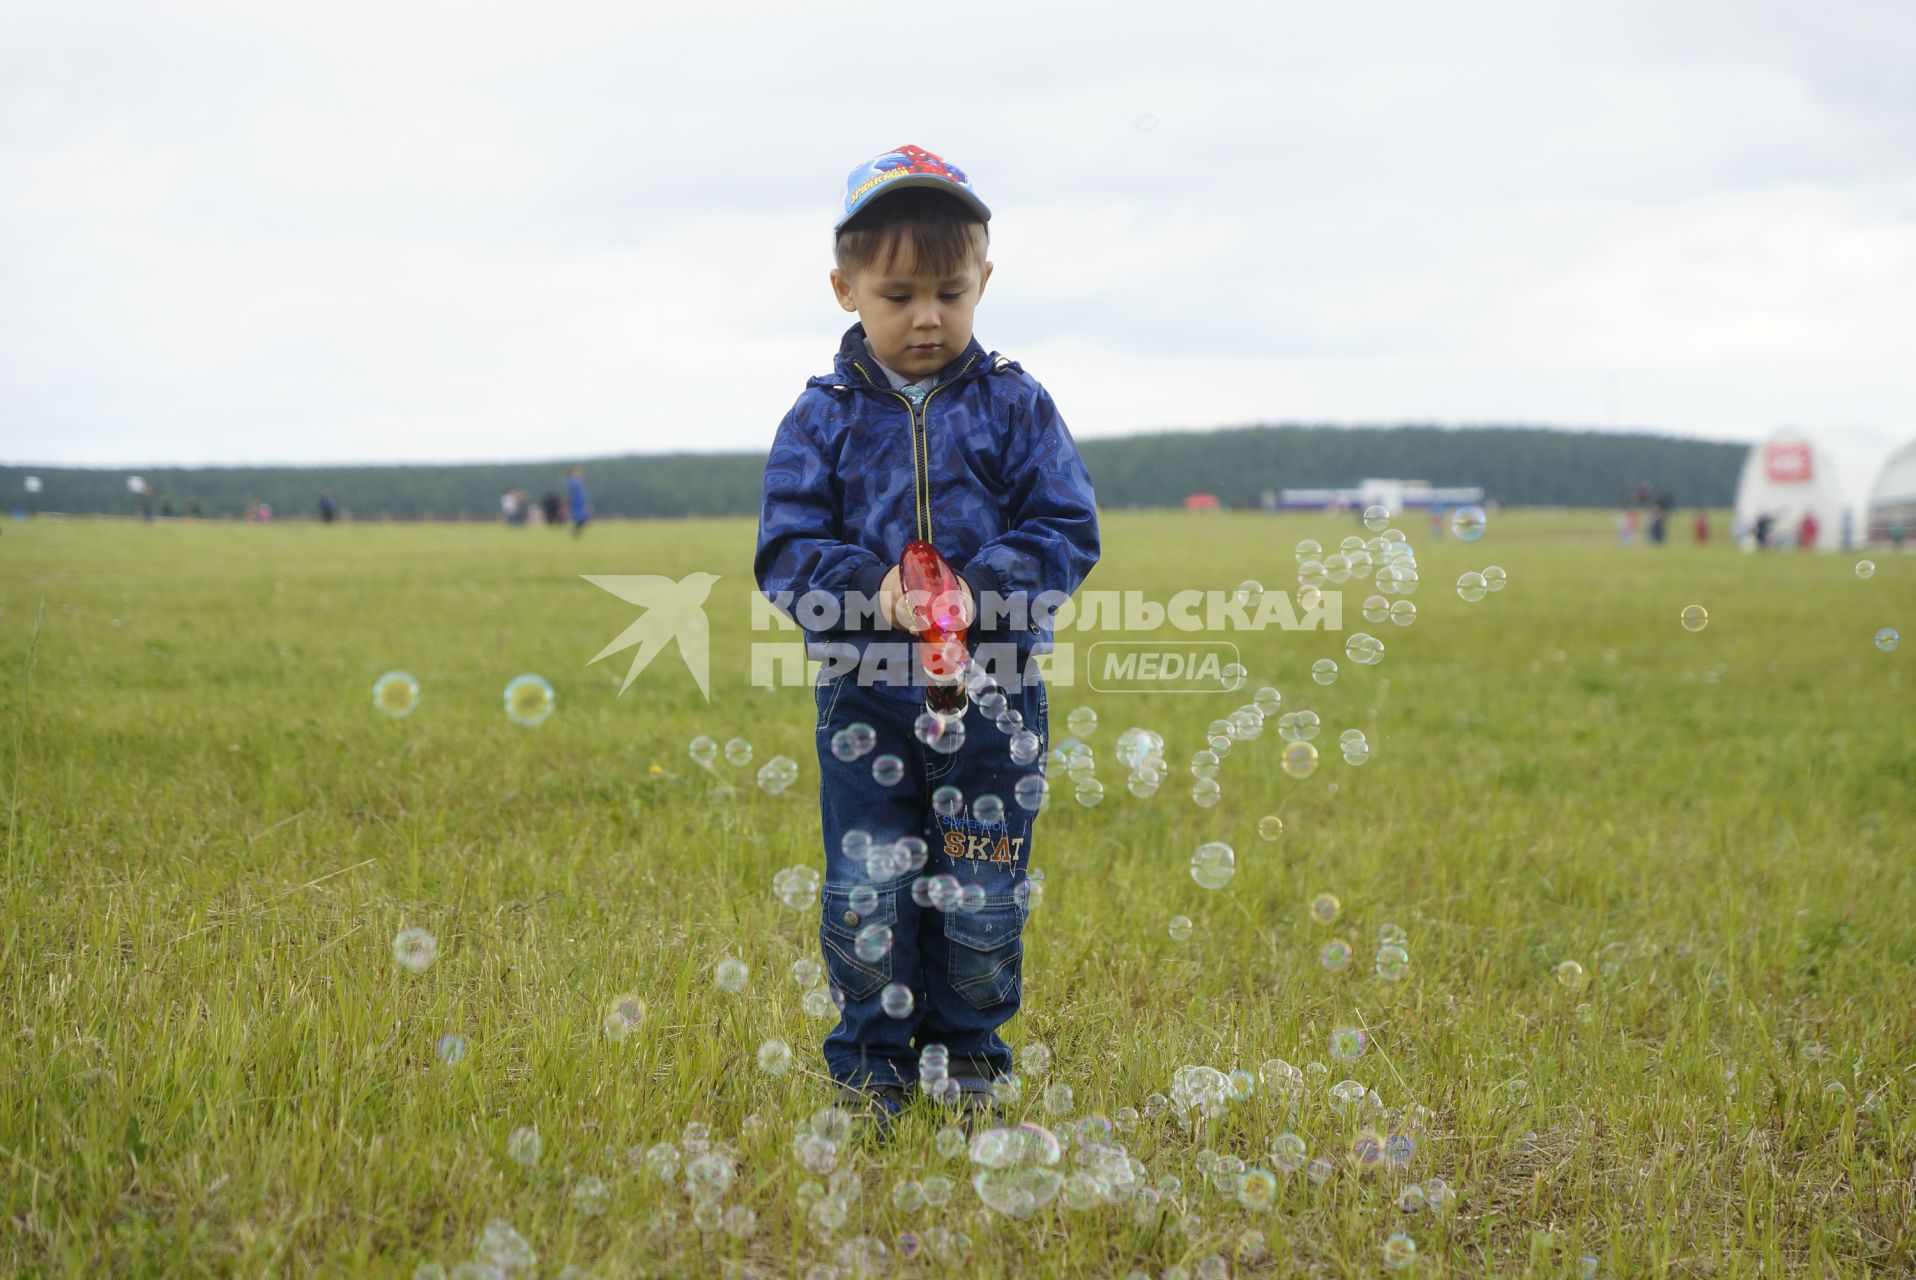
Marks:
<point>1786,477</point>
<point>1892,499</point>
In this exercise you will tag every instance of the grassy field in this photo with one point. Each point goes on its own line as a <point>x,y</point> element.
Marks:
<point>211,1064</point>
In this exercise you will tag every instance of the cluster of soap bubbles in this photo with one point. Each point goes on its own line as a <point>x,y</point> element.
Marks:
<point>797,886</point>
<point>1474,585</point>
<point>529,699</point>
<point>774,776</point>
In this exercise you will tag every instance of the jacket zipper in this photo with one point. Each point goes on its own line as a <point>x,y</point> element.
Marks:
<point>920,445</point>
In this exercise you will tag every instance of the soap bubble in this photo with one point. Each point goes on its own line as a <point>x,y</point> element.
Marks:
<point>1324,671</point>
<point>775,1057</point>
<point>623,1018</point>
<point>1376,518</point>
<point>1467,523</point>
<point>777,774</point>
<point>1057,1098</point>
<point>1348,1044</point>
<point>529,700</point>
<point>896,1000</point>
<point>1325,908</point>
<point>415,949</point>
<point>730,974</point>
<point>1233,676</point>
<point>1206,792</point>
<point>1256,1190</point>
<point>818,1003</point>
<point>524,1146</point>
<point>1363,648</point>
<point>1308,549</point>
<point>1300,760</point>
<point>1025,746</point>
<point>988,809</point>
<point>950,1142</point>
<point>1335,955</point>
<point>1403,613</point>
<point>873,943</point>
<point>1571,975</point>
<point>1180,928</point>
<point>1082,722</point>
<point>1887,639</point>
<point>888,770</point>
<point>703,751</point>
<point>1400,1250</point>
<point>1270,827</point>
<point>1471,587</point>
<point>590,1195</point>
<point>738,752</point>
<point>396,694</point>
<point>1865,568</point>
<point>1248,592</point>
<point>1695,617</point>
<point>451,1049</point>
<point>1035,1058</point>
<point>1213,865</point>
<point>1089,792</point>
<point>1267,700</point>
<point>807,972</point>
<point>1393,962</point>
<point>1494,578</point>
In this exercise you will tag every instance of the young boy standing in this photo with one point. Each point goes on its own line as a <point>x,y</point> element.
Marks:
<point>919,433</point>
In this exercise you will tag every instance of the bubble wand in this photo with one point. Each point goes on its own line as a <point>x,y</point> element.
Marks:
<point>937,600</point>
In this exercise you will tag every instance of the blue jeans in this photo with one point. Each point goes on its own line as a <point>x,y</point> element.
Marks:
<point>964,968</point>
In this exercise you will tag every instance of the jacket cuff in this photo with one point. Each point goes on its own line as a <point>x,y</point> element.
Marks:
<point>981,577</point>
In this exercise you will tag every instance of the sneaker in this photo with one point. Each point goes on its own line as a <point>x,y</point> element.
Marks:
<point>977,1093</point>
<point>874,1105</point>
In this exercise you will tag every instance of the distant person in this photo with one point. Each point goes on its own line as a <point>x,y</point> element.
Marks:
<point>1702,527</point>
<point>146,505</point>
<point>328,509</point>
<point>1849,529</point>
<point>554,507</point>
<point>578,505</point>
<point>1806,532</point>
<point>1764,523</point>
<point>509,507</point>
<point>1896,533</point>
<point>1657,526</point>
<point>166,507</point>
<point>266,513</point>
<point>1626,526</point>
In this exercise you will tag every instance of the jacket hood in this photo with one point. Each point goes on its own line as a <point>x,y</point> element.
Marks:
<point>969,363</point>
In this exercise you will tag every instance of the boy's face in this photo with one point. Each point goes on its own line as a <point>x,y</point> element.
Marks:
<point>903,311</point>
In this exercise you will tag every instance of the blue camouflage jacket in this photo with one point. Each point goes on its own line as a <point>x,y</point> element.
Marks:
<point>982,467</point>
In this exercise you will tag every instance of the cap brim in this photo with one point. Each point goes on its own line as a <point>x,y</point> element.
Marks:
<point>918,180</point>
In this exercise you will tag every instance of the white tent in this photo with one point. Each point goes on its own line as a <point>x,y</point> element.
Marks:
<point>1892,499</point>
<point>1786,477</point>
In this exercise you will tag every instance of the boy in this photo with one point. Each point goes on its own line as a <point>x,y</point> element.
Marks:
<point>919,433</point>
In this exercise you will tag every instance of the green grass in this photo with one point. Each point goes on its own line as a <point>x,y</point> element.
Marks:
<point>210,1064</point>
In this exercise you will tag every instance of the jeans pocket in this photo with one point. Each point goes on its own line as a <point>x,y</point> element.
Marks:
<point>838,930</point>
<point>986,952</point>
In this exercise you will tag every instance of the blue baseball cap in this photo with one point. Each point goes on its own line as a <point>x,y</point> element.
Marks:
<point>902,167</point>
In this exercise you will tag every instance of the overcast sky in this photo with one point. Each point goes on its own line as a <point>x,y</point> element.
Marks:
<point>359,232</point>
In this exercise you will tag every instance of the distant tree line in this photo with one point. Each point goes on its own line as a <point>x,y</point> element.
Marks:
<point>1525,466</point>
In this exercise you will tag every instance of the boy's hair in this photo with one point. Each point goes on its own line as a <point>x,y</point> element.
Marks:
<point>937,226</point>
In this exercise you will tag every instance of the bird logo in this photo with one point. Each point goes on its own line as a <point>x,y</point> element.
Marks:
<point>674,611</point>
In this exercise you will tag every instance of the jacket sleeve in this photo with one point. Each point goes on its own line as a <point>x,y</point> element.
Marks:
<point>801,548</point>
<point>1050,540</point>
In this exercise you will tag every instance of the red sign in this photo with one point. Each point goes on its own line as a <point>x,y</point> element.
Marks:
<point>1787,463</point>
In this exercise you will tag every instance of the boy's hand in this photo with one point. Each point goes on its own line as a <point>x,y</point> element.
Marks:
<point>896,606</point>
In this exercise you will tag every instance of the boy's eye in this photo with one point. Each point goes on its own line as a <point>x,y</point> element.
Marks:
<point>948,297</point>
